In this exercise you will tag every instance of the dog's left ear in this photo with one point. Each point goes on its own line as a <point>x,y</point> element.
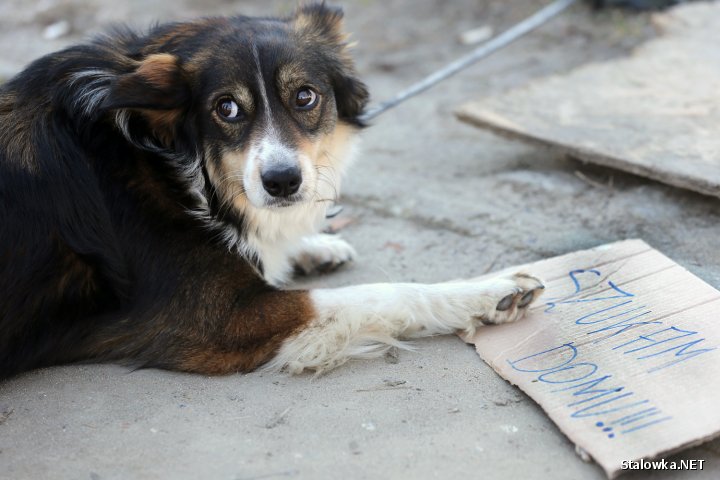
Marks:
<point>351,97</point>
<point>324,24</point>
<point>320,20</point>
<point>157,91</point>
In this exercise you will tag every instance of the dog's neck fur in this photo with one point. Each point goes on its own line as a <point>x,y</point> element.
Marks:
<point>271,234</point>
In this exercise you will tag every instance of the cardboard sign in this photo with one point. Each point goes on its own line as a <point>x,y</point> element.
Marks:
<point>622,352</point>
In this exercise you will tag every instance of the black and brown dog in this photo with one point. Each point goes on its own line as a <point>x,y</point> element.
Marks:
<point>157,189</point>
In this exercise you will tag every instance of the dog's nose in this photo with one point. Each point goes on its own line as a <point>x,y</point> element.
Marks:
<point>282,181</point>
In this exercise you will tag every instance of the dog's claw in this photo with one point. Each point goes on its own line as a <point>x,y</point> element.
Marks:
<point>328,266</point>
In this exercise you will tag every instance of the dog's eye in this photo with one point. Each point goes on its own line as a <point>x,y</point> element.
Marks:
<point>228,109</point>
<point>305,99</point>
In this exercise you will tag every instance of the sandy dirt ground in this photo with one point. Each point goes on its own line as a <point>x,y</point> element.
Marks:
<point>431,199</point>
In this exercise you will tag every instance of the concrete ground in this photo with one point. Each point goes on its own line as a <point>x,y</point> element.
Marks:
<point>432,199</point>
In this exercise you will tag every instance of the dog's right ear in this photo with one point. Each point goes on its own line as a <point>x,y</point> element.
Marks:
<point>158,83</point>
<point>157,91</point>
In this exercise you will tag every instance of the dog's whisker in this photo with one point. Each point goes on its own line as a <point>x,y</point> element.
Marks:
<point>227,204</point>
<point>234,179</point>
<point>330,182</point>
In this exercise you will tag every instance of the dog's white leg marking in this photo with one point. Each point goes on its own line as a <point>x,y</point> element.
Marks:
<point>321,252</point>
<point>364,321</point>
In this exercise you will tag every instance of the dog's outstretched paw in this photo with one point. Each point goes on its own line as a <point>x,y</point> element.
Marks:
<point>513,294</point>
<point>321,253</point>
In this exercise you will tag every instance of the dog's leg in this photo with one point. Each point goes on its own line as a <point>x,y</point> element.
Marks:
<point>321,253</point>
<point>215,326</point>
<point>364,321</point>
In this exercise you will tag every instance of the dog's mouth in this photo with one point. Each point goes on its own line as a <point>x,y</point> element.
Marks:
<point>284,202</point>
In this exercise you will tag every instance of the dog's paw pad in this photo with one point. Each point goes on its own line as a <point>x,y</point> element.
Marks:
<point>526,299</point>
<point>505,303</point>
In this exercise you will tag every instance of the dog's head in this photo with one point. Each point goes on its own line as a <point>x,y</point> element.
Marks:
<point>267,106</point>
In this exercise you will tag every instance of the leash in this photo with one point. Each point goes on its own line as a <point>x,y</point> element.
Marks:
<point>491,46</point>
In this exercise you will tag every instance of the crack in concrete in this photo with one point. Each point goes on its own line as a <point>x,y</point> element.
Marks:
<point>375,205</point>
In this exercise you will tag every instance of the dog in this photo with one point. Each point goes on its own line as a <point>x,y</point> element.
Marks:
<point>157,190</point>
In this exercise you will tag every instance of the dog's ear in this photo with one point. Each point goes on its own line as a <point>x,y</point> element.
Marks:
<point>323,24</point>
<point>157,90</point>
<point>351,97</point>
<point>157,83</point>
<point>321,20</point>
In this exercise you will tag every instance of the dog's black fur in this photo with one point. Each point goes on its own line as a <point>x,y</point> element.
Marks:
<point>112,231</point>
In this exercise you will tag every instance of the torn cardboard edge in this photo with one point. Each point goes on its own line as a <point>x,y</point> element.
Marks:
<point>621,352</point>
<point>475,114</point>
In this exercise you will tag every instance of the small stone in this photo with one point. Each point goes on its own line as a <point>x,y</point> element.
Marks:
<point>509,428</point>
<point>56,30</point>
<point>584,456</point>
<point>354,448</point>
<point>369,426</point>
<point>476,35</point>
<point>392,356</point>
<point>393,383</point>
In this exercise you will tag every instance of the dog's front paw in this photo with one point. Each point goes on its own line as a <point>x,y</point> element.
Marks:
<point>510,296</point>
<point>321,253</point>
<point>490,302</point>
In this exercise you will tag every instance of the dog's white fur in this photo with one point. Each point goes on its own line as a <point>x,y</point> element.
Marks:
<point>364,321</point>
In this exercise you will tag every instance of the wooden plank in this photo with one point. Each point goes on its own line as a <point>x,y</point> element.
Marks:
<point>654,114</point>
<point>621,352</point>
